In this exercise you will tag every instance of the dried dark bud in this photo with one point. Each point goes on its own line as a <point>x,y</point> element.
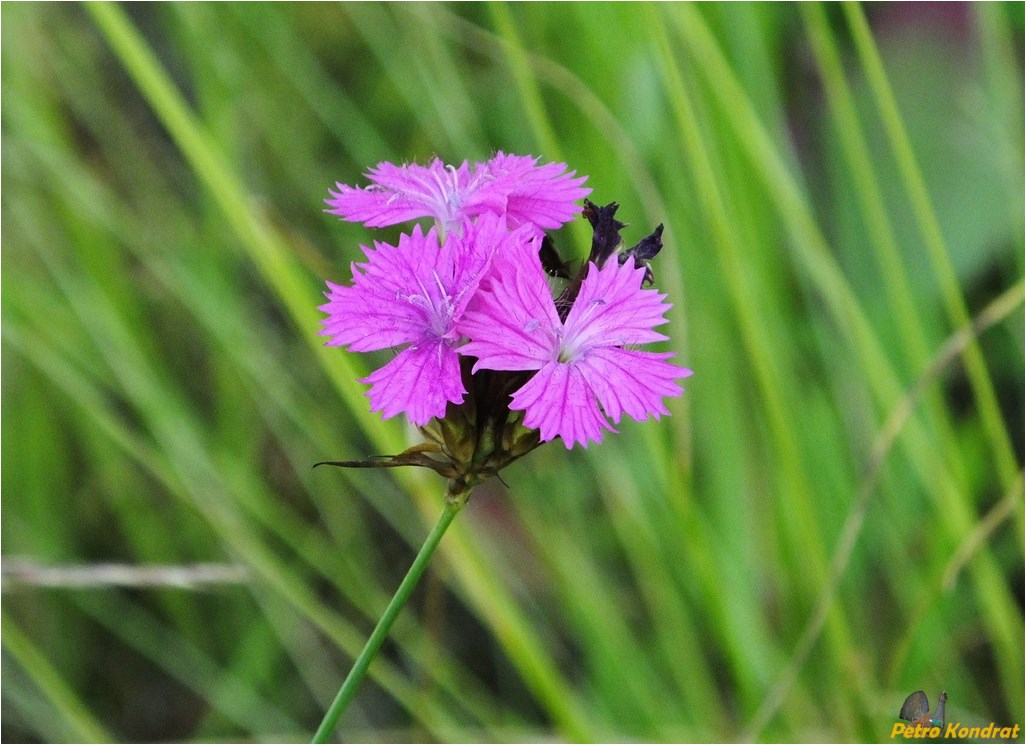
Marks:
<point>605,242</point>
<point>644,251</point>
<point>606,239</point>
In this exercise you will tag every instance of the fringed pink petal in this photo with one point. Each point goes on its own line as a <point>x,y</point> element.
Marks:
<point>513,324</point>
<point>419,382</point>
<point>612,309</point>
<point>362,322</point>
<point>632,382</point>
<point>408,192</point>
<point>544,196</point>
<point>393,297</point>
<point>558,403</point>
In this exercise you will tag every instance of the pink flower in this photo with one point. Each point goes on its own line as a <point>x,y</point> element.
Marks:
<point>414,294</point>
<point>512,186</point>
<point>583,363</point>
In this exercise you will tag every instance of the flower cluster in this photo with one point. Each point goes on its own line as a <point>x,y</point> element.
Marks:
<point>480,337</point>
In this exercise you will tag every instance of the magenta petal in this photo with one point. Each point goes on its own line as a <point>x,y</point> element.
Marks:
<point>400,193</point>
<point>396,297</point>
<point>428,182</point>
<point>511,186</point>
<point>477,245</point>
<point>396,194</point>
<point>374,207</point>
<point>414,293</point>
<point>420,381</point>
<point>513,325</point>
<point>363,322</point>
<point>558,403</point>
<point>485,289</point>
<point>632,382</point>
<point>544,196</point>
<point>612,309</point>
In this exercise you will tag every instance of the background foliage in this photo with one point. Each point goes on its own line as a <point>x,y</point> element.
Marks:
<point>831,519</point>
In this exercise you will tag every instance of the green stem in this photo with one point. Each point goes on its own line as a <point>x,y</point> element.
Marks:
<point>454,503</point>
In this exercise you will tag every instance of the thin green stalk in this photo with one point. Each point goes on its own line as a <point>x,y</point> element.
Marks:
<point>812,252</point>
<point>768,376</point>
<point>264,246</point>
<point>453,504</point>
<point>997,311</point>
<point>1001,71</point>
<point>525,81</point>
<point>266,249</point>
<point>531,97</point>
<point>882,240</point>
<point>933,241</point>
<point>872,203</point>
<point>79,720</point>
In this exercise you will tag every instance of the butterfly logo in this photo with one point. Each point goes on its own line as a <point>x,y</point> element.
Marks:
<point>916,709</point>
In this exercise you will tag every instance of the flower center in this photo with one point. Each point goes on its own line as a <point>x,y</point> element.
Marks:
<point>438,307</point>
<point>449,198</point>
<point>576,341</point>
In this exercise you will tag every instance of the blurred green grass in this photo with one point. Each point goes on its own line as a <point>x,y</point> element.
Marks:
<point>828,521</point>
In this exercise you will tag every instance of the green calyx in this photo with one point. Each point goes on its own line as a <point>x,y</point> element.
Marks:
<point>475,440</point>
